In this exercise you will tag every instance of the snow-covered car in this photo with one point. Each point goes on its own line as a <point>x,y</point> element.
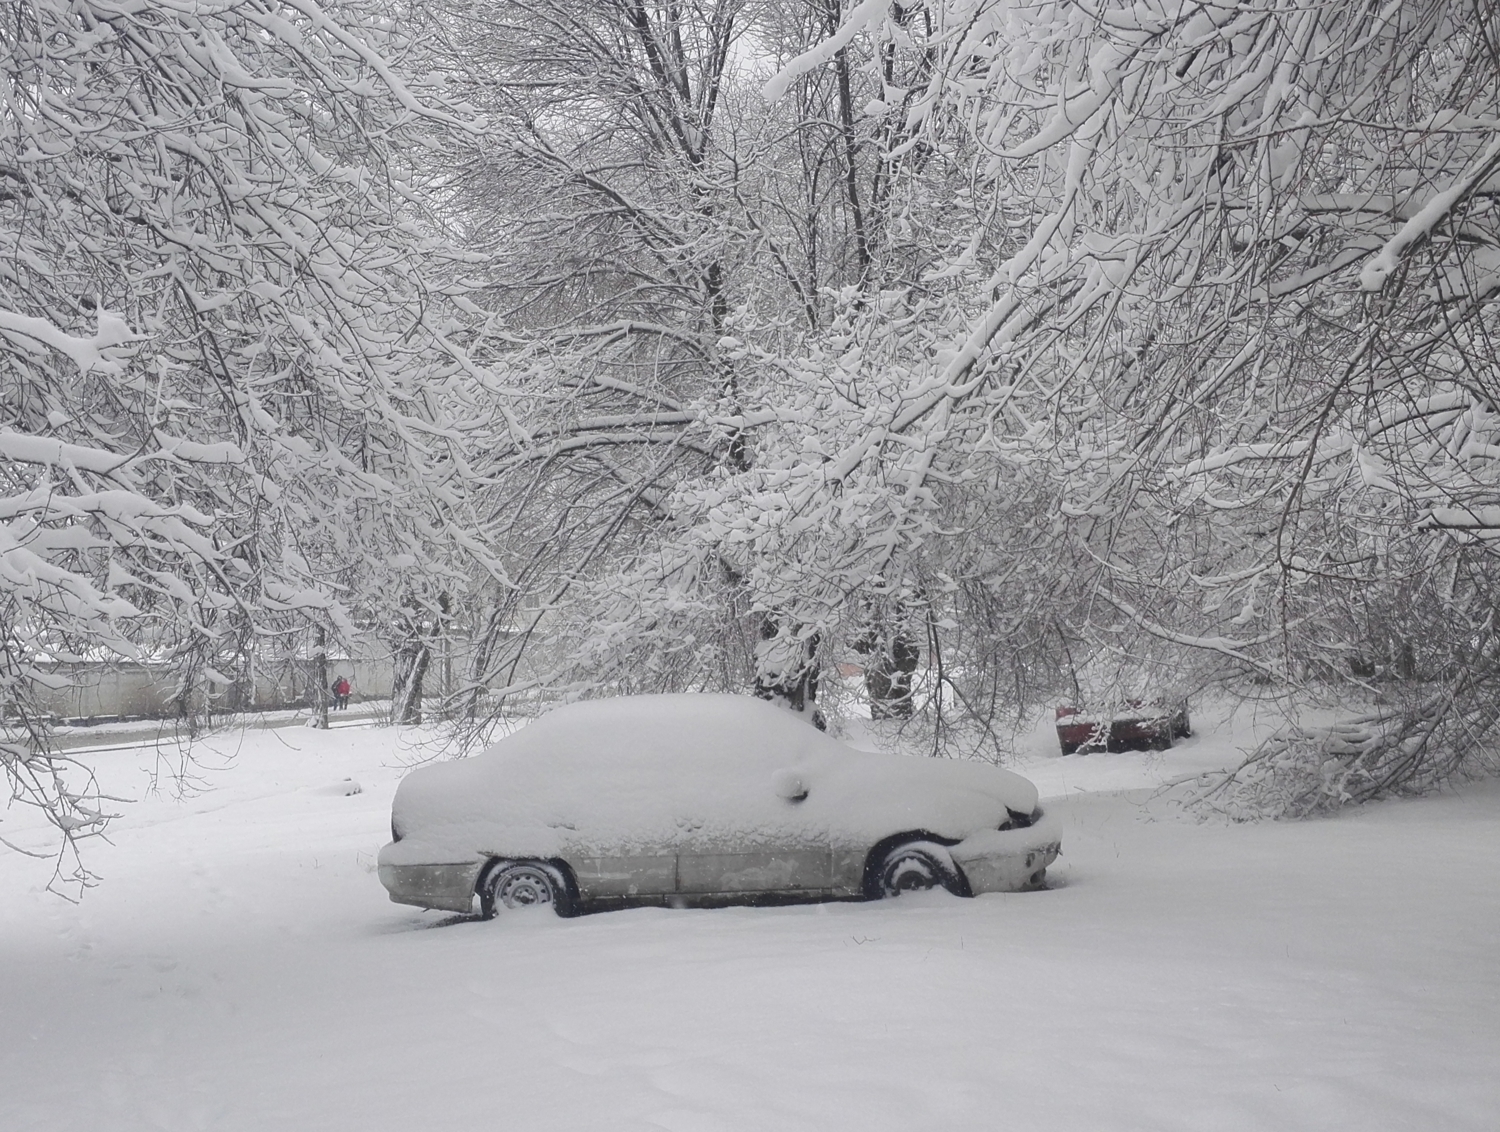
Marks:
<point>1151,725</point>
<point>703,800</point>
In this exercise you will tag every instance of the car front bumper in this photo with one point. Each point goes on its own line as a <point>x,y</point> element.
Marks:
<point>449,887</point>
<point>1011,860</point>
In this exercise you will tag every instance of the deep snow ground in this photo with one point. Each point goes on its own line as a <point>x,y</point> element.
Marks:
<point>241,969</point>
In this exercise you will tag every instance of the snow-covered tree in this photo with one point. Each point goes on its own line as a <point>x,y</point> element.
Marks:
<point>709,300</point>
<point>235,378</point>
<point>1245,323</point>
<point>645,216</point>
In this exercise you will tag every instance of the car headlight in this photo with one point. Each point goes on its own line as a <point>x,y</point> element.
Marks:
<point>395,829</point>
<point>1015,819</point>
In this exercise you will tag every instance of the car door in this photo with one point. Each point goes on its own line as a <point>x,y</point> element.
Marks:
<point>728,868</point>
<point>621,836</point>
<point>759,834</point>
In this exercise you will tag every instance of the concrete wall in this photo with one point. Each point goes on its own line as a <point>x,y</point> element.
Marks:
<point>122,690</point>
<point>148,691</point>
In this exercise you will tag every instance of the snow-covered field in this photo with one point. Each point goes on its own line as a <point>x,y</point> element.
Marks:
<point>241,969</point>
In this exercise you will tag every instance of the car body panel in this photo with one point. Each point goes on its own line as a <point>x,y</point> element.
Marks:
<point>602,876</point>
<point>449,887</point>
<point>807,867</point>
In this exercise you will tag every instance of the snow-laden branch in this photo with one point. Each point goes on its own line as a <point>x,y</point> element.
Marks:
<point>1420,226</point>
<point>855,20</point>
<point>99,351</point>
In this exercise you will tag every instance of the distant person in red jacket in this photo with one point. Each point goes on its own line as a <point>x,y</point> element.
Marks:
<point>341,690</point>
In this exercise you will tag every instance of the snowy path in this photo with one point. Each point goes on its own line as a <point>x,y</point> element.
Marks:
<point>240,969</point>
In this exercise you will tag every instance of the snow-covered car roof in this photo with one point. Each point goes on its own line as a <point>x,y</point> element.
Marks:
<point>639,771</point>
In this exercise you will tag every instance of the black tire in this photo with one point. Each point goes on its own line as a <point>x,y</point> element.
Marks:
<point>523,884</point>
<point>1067,748</point>
<point>917,866</point>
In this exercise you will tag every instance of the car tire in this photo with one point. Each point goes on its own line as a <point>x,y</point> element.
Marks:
<point>523,884</point>
<point>916,866</point>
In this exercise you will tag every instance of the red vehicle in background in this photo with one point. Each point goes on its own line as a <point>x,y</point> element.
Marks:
<point>1137,725</point>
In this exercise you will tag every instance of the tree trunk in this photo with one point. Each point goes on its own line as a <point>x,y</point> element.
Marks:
<point>416,633</point>
<point>888,677</point>
<point>407,707</point>
<point>787,670</point>
<point>319,693</point>
<point>482,651</point>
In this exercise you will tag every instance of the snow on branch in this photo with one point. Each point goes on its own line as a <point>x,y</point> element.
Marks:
<point>1438,208</point>
<point>854,21</point>
<point>96,352</point>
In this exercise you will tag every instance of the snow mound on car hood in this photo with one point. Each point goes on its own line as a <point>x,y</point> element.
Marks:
<point>652,773</point>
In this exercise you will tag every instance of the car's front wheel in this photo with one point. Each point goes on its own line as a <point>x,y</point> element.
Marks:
<point>917,866</point>
<point>523,884</point>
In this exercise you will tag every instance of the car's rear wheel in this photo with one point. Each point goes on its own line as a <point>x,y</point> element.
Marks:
<point>918,866</point>
<point>523,884</point>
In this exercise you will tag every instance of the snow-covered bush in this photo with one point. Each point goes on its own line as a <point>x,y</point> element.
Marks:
<point>1443,735</point>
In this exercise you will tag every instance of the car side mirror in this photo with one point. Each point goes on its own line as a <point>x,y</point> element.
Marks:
<point>788,784</point>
